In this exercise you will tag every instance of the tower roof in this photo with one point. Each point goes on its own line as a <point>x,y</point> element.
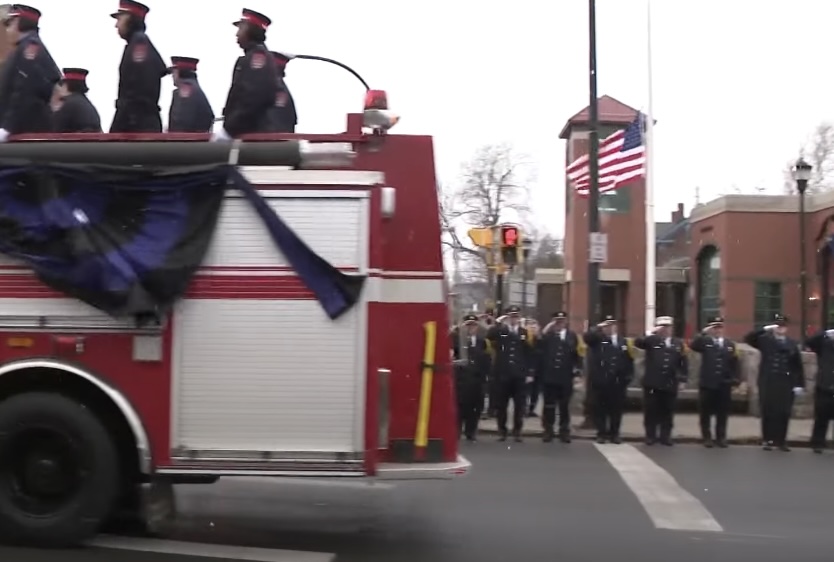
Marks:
<point>611,112</point>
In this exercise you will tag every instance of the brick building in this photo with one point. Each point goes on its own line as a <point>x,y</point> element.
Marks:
<point>737,256</point>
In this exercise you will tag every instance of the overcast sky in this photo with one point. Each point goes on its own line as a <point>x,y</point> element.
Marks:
<point>738,84</point>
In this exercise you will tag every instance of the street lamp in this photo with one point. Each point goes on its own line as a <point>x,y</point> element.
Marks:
<point>801,174</point>
<point>526,248</point>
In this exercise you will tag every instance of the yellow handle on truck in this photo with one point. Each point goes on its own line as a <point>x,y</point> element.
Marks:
<point>421,438</point>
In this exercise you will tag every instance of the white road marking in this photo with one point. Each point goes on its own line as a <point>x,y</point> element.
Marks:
<point>209,550</point>
<point>667,504</point>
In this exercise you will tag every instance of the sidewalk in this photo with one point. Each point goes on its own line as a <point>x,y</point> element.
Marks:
<point>741,430</point>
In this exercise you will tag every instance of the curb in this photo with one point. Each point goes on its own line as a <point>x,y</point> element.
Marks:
<point>681,439</point>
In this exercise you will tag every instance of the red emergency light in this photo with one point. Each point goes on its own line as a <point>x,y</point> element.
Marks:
<point>377,116</point>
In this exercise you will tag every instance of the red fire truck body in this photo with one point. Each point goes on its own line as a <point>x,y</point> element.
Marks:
<point>247,376</point>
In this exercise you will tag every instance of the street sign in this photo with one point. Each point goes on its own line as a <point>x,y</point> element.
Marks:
<point>598,247</point>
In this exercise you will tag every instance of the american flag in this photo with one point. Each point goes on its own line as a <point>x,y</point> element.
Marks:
<point>622,159</point>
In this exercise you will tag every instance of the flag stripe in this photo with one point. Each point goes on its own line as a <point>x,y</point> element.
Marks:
<point>622,160</point>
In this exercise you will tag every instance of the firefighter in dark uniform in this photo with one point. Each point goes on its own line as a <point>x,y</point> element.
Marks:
<point>781,378</point>
<point>285,118</point>
<point>512,370</point>
<point>666,370</point>
<point>251,101</point>
<point>720,372</point>
<point>471,354</point>
<point>487,321</point>
<point>190,109</point>
<point>560,352</point>
<point>29,77</point>
<point>610,361</point>
<point>75,114</point>
<point>823,345</point>
<point>140,74</point>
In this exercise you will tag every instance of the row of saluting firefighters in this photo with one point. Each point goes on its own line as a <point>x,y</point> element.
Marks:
<point>36,97</point>
<point>510,356</point>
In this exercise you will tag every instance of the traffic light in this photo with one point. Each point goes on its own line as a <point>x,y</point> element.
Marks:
<point>512,252</point>
<point>481,237</point>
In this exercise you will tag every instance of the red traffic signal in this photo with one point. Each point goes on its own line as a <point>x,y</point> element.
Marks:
<point>509,236</point>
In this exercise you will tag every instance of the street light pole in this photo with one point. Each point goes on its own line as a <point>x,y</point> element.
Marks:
<point>801,174</point>
<point>593,163</point>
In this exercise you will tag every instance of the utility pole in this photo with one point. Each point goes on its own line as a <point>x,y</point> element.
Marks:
<point>593,163</point>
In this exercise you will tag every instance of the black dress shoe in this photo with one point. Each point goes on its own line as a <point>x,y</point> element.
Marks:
<point>708,443</point>
<point>616,440</point>
<point>784,448</point>
<point>722,444</point>
<point>767,445</point>
<point>502,436</point>
<point>818,450</point>
<point>601,440</point>
<point>547,437</point>
<point>564,438</point>
<point>667,442</point>
<point>518,439</point>
<point>650,441</point>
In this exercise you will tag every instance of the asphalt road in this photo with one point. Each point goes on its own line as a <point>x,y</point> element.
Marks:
<point>530,501</point>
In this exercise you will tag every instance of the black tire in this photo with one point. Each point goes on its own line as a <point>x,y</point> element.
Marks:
<point>91,462</point>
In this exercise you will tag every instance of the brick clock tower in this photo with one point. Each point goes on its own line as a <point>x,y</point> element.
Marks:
<point>622,217</point>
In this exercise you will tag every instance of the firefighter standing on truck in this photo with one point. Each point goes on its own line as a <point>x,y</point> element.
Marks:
<point>285,118</point>
<point>610,360</point>
<point>666,370</point>
<point>190,109</point>
<point>29,77</point>
<point>251,101</point>
<point>719,373</point>
<point>513,370</point>
<point>471,353</point>
<point>75,113</point>
<point>140,74</point>
<point>560,353</point>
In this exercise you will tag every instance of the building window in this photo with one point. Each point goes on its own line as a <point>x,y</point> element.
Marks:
<point>617,201</point>
<point>768,302</point>
<point>709,285</point>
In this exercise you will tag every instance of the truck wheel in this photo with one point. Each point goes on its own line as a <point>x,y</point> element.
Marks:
<point>58,471</point>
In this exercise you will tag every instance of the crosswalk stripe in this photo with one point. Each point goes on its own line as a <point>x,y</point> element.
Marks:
<point>667,504</point>
<point>205,550</point>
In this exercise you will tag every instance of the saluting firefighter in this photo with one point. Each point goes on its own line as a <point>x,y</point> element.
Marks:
<point>140,74</point>
<point>512,371</point>
<point>29,76</point>
<point>285,118</point>
<point>75,113</point>
<point>718,375</point>
<point>190,109</point>
<point>560,351</point>
<point>665,371</point>
<point>471,353</point>
<point>822,344</point>
<point>610,361</point>
<point>781,378</point>
<point>251,101</point>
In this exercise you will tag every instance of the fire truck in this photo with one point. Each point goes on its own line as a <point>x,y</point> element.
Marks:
<point>246,375</point>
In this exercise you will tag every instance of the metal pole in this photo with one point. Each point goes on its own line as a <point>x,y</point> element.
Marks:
<point>593,163</point>
<point>295,154</point>
<point>803,273</point>
<point>651,235</point>
<point>499,291</point>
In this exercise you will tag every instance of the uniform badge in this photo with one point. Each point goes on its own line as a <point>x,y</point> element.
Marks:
<point>31,51</point>
<point>185,91</point>
<point>281,99</point>
<point>258,61</point>
<point>140,53</point>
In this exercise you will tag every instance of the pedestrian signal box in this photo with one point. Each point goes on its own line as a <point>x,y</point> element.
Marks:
<point>512,252</point>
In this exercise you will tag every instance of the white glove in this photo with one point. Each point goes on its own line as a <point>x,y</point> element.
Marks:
<point>4,135</point>
<point>798,391</point>
<point>829,333</point>
<point>650,333</point>
<point>221,136</point>
<point>770,327</point>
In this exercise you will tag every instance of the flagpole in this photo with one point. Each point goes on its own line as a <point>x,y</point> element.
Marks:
<point>651,243</point>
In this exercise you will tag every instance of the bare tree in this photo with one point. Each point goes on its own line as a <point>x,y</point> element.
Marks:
<point>548,253</point>
<point>819,152</point>
<point>493,188</point>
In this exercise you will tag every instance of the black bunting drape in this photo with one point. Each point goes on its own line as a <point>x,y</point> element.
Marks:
<point>128,240</point>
